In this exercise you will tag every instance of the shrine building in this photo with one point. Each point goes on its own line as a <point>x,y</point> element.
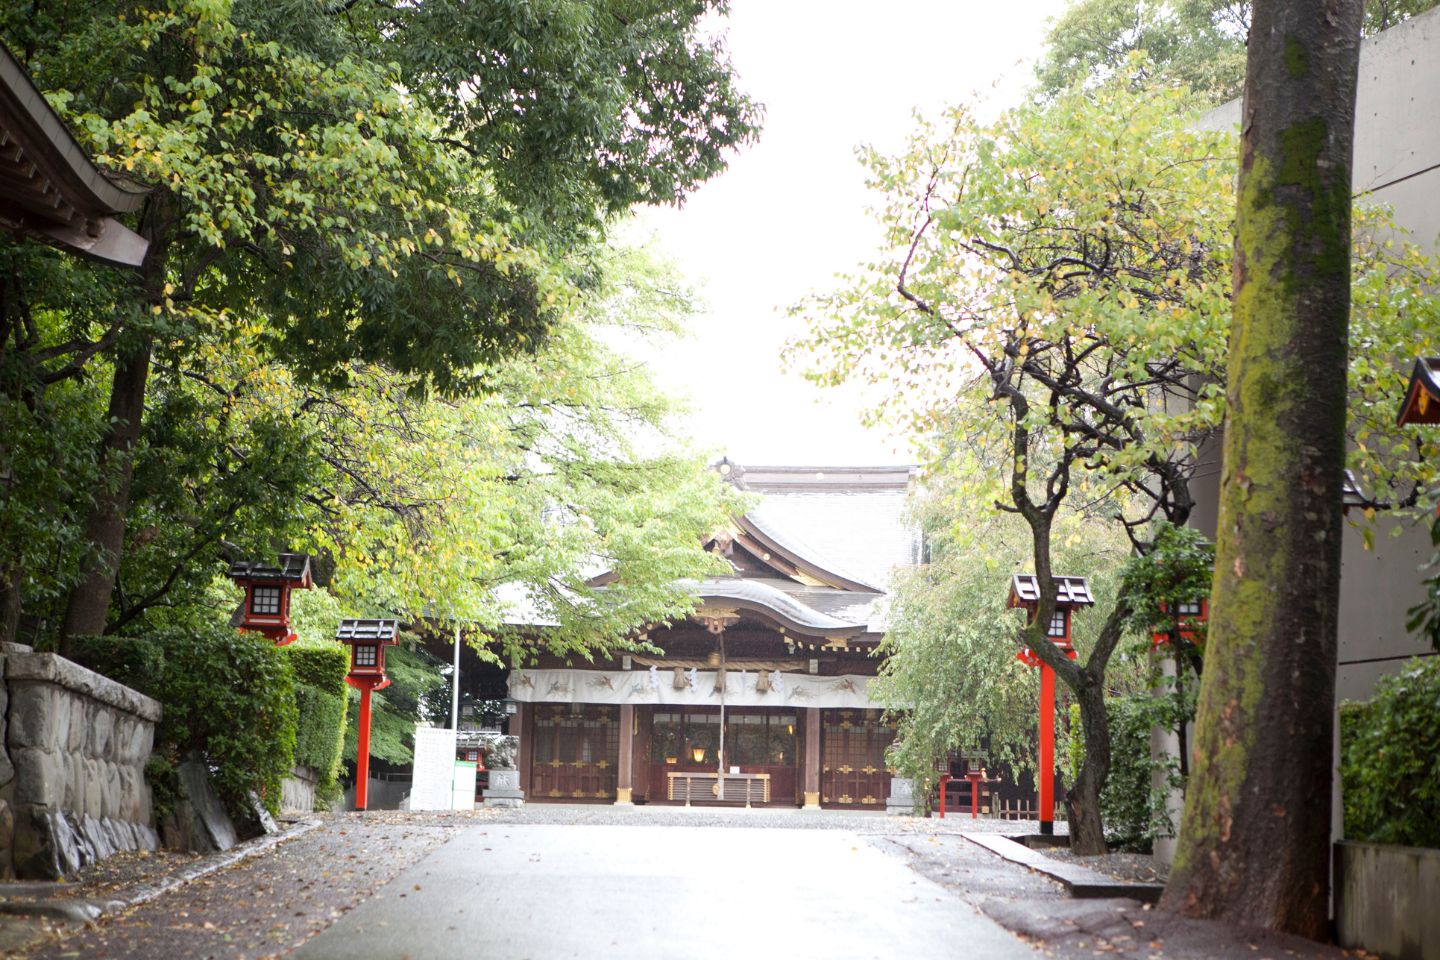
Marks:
<point>767,683</point>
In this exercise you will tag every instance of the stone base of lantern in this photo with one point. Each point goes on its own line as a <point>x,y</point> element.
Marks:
<point>504,789</point>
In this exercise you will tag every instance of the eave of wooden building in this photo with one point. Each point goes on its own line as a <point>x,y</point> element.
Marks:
<point>1422,396</point>
<point>49,189</point>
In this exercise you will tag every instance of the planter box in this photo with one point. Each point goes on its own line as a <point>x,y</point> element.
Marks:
<point>1385,899</point>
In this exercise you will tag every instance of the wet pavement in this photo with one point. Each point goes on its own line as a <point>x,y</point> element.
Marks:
<point>550,881</point>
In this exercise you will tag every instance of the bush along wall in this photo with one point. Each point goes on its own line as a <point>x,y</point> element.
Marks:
<point>1390,759</point>
<point>229,698</point>
<point>320,698</point>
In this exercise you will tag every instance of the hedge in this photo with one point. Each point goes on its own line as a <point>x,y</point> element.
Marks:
<point>320,697</point>
<point>1390,759</point>
<point>228,697</point>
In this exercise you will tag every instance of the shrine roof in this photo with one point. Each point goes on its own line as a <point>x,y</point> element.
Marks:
<point>846,526</point>
<point>385,631</point>
<point>763,596</point>
<point>49,188</point>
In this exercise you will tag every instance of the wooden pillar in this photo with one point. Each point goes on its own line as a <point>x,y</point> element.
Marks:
<point>1046,773</point>
<point>625,772</point>
<point>520,727</point>
<point>812,758</point>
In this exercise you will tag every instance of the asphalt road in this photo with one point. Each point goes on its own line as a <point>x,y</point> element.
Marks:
<point>536,892</point>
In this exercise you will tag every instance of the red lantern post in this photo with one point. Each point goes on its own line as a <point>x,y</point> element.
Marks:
<point>266,607</point>
<point>368,640</point>
<point>1070,594</point>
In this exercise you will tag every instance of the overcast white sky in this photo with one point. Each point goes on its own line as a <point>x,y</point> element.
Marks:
<point>789,214</point>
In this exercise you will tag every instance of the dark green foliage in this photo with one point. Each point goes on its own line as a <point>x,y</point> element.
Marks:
<point>1390,759</point>
<point>228,698</point>
<point>1133,809</point>
<point>320,697</point>
<point>321,666</point>
<point>320,734</point>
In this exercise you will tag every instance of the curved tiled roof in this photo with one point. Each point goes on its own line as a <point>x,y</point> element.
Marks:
<point>760,597</point>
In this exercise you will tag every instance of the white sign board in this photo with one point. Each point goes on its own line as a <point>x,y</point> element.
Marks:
<point>431,788</point>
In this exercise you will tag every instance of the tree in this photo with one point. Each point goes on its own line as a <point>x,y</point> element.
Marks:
<point>1060,276</point>
<point>1199,43</point>
<point>1265,720</point>
<point>947,680</point>
<point>1055,296</point>
<point>357,183</point>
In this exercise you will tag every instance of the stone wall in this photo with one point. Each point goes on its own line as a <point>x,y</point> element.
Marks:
<point>73,746</point>
<point>297,791</point>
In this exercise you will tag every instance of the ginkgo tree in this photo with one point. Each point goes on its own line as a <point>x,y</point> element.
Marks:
<point>1054,293</point>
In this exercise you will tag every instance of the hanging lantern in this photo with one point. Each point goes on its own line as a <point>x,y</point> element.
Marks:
<point>266,607</point>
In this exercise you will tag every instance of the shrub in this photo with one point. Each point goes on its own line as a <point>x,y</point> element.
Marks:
<point>320,690</point>
<point>1133,809</point>
<point>228,697</point>
<point>321,666</point>
<point>1390,759</point>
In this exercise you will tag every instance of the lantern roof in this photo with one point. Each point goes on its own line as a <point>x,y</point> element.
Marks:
<point>368,631</point>
<point>1069,591</point>
<point>1422,396</point>
<point>292,568</point>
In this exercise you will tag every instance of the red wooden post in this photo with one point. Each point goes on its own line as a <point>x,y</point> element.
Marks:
<point>1046,773</point>
<point>362,753</point>
<point>974,777</point>
<point>944,781</point>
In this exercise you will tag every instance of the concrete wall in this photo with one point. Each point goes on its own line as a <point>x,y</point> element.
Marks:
<point>1385,900</point>
<point>73,746</point>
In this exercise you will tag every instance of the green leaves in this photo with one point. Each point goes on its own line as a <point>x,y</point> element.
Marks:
<point>1390,759</point>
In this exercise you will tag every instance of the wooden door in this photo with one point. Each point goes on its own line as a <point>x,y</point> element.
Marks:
<point>576,752</point>
<point>852,758</point>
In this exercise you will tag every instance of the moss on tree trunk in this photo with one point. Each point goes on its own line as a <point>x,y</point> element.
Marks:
<point>1255,841</point>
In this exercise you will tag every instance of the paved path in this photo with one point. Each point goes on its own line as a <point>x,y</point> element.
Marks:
<point>537,892</point>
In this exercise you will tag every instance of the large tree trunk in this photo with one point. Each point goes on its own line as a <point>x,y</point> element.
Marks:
<point>1255,842</point>
<point>89,600</point>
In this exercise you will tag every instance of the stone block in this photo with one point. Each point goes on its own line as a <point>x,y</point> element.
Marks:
<point>210,828</point>
<point>122,740</point>
<point>97,737</point>
<point>72,722</point>
<point>40,777</point>
<point>91,787</point>
<point>112,794</point>
<point>146,838</point>
<point>34,709</point>
<point>93,831</point>
<point>901,801</point>
<point>7,840</point>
